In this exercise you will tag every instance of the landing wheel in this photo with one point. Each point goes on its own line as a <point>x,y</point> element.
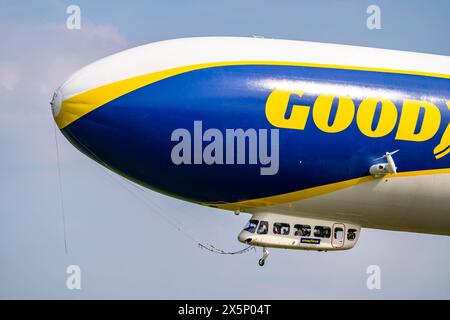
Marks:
<point>262,261</point>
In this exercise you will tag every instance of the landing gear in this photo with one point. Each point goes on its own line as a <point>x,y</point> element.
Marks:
<point>262,261</point>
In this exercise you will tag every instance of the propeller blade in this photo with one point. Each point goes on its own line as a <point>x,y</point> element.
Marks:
<point>387,154</point>
<point>379,158</point>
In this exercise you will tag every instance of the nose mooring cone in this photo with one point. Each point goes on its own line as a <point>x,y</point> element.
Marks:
<point>56,103</point>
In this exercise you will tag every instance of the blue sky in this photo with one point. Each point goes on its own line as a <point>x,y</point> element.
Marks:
<point>124,248</point>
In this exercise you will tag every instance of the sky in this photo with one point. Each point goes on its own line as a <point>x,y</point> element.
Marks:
<point>119,236</point>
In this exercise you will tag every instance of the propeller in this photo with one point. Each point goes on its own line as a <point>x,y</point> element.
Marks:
<point>391,167</point>
<point>387,155</point>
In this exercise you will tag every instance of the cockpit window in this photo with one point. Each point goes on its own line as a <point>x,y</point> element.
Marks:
<point>351,234</point>
<point>281,228</point>
<point>251,226</point>
<point>263,227</point>
<point>322,232</point>
<point>302,230</point>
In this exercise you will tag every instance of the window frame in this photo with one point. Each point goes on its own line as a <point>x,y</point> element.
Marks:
<point>355,232</point>
<point>281,226</point>
<point>302,225</point>
<point>259,225</point>
<point>247,225</point>
<point>343,233</point>
<point>323,228</point>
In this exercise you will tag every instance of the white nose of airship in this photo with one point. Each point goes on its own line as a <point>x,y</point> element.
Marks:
<point>56,103</point>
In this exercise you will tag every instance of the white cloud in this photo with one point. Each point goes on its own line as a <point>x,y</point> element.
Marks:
<point>37,60</point>
<point>33,63</point>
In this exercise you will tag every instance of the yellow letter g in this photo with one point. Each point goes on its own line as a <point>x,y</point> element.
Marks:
<point>276,107</point>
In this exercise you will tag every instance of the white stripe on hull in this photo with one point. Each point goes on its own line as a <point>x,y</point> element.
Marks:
<point>169,54</point>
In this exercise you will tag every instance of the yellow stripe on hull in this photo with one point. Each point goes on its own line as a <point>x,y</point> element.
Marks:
<point>81,104</point>
<point>315,191</point>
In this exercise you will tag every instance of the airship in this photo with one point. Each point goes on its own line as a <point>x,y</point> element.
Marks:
<point>314,141</point>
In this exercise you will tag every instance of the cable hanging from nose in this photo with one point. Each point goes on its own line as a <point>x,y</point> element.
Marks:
<point>155,209</point>
<point>61,194</point>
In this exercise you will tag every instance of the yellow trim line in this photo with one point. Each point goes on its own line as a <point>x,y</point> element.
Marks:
<point>81,104</point>
<point>316,191</point>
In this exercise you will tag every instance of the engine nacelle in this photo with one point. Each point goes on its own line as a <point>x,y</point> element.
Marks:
<point>379,169</point>
<point>289,232</point>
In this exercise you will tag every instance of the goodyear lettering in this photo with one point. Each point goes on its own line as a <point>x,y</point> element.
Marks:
<point>276,114</point>
<point>310,240</point>
<point>366,115</point>
<point>410,117</point>
<point>443,148</point>
<point>344,115</point>
<point>418,120</point>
